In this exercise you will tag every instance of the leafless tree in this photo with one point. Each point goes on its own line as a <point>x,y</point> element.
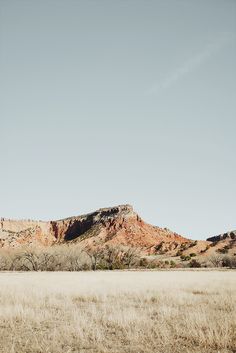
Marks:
<point>130,256</point>
<point>216,260</point>
<point>95,255</point>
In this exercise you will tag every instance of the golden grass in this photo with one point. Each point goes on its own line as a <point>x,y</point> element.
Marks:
<point>98,312</point>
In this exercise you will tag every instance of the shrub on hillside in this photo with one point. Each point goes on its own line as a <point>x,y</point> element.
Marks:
<point>185,257</point>
<point>179,253</point>
<point>192,254</point>
<point>193,243</point>
<point>206,248</point>
<point>194,264</point>
<point>224,250</point>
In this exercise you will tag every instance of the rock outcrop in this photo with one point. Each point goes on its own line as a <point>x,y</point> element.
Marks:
<point>119,225</point>
<point>115,225</point>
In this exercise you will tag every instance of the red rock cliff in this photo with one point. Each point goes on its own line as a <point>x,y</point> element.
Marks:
<point>115,225</point>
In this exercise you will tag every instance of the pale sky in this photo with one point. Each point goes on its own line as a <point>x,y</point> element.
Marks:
<point>112,102</point>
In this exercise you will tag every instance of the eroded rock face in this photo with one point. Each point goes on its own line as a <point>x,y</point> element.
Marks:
<point>14,233</point>
<point>73,227</point>
<point>115,225</point>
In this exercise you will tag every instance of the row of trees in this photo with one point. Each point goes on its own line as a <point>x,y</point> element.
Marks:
<point>77,258</point>
<point>69,258</point>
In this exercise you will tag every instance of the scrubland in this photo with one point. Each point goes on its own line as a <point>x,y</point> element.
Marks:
<point>75,257</point>
<point>118,311</point>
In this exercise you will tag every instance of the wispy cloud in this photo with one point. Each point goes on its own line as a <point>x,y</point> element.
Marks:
<point>192,64</point>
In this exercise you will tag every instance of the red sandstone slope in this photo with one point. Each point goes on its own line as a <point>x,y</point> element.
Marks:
<point>116,225</point>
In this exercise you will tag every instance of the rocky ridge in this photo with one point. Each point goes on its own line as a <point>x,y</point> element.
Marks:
<point>115,225</point>
<point>119,225</point>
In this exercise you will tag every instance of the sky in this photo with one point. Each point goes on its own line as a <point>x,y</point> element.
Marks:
<point>119,101</point>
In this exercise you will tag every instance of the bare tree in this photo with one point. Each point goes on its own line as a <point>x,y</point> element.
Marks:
<point>216,260</point>
<point>79,259</point>
<point>112,256</point>
<point>95,255</point>
<point>25,261</point>
<point>130,255</point>
<point>46,261</point>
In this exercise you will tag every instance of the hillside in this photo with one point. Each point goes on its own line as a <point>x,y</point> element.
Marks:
<point>224,243</point>
<point>119,225</point>
<point>115,225</point>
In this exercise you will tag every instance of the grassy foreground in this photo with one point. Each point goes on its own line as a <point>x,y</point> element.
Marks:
<point>126,311</point>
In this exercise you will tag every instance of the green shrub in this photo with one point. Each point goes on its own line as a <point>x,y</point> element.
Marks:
<point>206,248</point>
<point>194,263</point>
<point>185,257</point>
<point>193,243</point>
<point>224,250</point>
<point>193,254</point>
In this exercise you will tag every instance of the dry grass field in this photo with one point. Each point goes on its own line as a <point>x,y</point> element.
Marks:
<point>118,312</point>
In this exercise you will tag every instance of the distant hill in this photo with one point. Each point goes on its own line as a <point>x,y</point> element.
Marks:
<point>114,225</point>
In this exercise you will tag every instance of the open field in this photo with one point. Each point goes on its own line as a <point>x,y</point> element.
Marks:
<point>118,311</point>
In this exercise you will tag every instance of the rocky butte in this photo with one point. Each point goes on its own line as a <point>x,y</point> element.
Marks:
<point>114,225</point>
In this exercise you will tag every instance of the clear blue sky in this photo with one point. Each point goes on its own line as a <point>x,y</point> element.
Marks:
<point>112,102</point>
